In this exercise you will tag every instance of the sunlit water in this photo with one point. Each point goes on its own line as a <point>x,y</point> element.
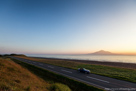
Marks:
<point>109,58</point>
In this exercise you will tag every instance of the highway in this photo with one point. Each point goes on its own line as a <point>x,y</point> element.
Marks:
<point>106,83</point>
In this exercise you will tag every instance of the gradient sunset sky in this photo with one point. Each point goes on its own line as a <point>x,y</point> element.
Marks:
<point>67,26</point>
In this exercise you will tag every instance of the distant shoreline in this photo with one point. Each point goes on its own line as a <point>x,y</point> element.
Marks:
<point>113,64</point>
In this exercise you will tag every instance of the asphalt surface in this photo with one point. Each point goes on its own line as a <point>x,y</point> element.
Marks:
<point>106,83</point>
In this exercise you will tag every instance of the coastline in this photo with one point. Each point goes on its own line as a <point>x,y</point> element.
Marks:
<point>113,64</point>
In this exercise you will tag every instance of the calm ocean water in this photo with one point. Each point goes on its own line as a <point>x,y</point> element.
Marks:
<point>109,58</point>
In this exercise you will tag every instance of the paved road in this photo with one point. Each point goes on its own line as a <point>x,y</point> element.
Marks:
<point>103,82</point>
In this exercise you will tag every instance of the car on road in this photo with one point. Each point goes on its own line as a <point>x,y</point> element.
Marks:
<point>83,70</point>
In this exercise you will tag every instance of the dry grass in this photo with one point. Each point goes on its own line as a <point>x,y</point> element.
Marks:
<point>13,77</point>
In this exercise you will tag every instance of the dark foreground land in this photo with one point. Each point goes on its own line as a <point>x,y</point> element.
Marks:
<point>123,71</point>
<point>42,70</point>
<point>103,82</point>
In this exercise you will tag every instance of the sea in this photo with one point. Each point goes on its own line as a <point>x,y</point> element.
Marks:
<point>103,58</point>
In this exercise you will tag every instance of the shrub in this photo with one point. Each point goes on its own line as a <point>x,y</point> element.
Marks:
<point>59,87</point>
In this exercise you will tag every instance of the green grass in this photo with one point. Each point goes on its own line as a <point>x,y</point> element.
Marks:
<point>114,72</point>
<point>56,78</point>
<point>119,73</point>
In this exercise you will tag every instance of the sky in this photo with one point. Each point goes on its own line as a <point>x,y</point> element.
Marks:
<point>67,26</point>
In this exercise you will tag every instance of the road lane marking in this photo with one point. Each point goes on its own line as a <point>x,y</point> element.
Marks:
<point>97,79</point>
<point>50,67</point>
<point>66,71</point>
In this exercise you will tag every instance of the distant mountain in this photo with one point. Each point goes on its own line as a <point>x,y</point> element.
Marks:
<point>102,52</point>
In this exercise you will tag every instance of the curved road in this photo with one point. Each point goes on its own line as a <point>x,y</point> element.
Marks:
<point>106,83</point>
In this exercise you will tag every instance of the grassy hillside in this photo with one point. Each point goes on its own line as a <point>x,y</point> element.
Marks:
<point>114,72</point>
<point>14,77</point>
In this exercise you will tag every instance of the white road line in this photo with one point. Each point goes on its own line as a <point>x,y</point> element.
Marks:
<point>66,71</point>
<point>50,67</point>
<point>97,79</point>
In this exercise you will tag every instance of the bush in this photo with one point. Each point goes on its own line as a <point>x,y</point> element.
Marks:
<point>59,87</point>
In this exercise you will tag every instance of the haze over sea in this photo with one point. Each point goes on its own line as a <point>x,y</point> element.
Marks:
<point>107,58</point>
